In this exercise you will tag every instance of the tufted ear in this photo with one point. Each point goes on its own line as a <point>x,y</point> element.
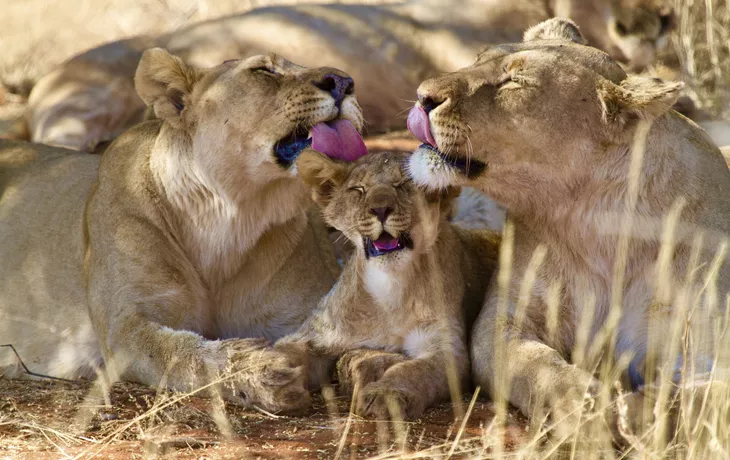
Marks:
<point>164,82</point>
<point>555,28</point>
<point>321,173</point>
<point>637,98</point>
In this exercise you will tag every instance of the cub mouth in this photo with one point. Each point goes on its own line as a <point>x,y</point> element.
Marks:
<point>387,244</point>
<point>337,139</point>
<point>420,126</point>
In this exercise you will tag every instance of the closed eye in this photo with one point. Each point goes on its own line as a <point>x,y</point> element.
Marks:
<point>264,69</point>
<point>359,189</point>
<point>510,82</point>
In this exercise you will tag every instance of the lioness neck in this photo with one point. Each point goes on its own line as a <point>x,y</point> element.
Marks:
<point>591,204</point>
<point>220,233</point>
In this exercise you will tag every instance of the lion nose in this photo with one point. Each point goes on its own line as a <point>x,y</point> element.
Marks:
<point>337,85</point>
<point>382,213</point>
<point>430,102</point>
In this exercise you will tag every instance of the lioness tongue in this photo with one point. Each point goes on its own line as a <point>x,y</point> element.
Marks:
<point>419,126</point>
<point>385,243</point>
<point>339,140</point>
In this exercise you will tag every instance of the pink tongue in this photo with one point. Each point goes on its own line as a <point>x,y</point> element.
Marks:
<point>419,126</point>
<point>340,140</point>
<point>382,244</point>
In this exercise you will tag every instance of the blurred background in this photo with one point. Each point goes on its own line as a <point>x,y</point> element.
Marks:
<point>39,34</point>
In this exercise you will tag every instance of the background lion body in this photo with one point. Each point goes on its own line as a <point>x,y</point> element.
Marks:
<point>388,49</point>
<point>42,191</point>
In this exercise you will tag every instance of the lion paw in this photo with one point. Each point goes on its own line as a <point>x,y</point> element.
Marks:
<point>382,401</point>
<point>266,377</point>
<point>363,367</point>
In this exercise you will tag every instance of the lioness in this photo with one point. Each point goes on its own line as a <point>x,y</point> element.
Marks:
<point>547,127</point>
<point>406,289</point>
<point>388,49</point>
<point>193,237</point>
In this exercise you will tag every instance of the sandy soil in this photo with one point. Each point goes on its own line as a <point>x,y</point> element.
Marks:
<point>46,419</point>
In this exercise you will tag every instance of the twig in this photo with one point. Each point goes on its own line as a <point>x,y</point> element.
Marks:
<point>34,374</point>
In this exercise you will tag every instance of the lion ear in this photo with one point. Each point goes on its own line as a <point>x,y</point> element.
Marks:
<point>164,82</point>
<point>637,98</point>
<point>555,28</point>
<point>321,173</point>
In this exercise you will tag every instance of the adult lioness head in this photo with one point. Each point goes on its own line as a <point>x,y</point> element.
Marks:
<point>280,108</point>
<point>524,111</point>
<point>375,205</point>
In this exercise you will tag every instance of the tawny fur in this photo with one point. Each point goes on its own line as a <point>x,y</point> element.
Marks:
<point>554,123</point>
<point>192,239</point>
<point>388,49</point>
<point>410,304</point>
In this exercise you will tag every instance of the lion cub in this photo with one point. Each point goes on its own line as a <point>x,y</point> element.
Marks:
<point>406,292</point>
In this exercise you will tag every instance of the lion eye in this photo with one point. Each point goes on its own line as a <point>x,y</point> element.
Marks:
<point>359,189</point>
<point>401,183</point>
<point>509,82</point>
<point>265,69</point>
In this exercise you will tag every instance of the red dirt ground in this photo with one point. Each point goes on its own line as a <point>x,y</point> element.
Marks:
<point>48,420</point>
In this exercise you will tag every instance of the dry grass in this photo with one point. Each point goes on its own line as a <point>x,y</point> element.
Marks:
<point>702,41</point>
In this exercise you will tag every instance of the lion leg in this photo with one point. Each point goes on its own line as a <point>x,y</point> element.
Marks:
<point>517,367</point>
<point>243,371</point>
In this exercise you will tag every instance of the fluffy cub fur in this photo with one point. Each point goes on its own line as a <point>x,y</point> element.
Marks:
<point>405,291</point>
<point>167,259</point>
<point>613,261</point>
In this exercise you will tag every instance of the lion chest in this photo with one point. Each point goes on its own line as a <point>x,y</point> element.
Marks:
<point>383,287</point>
<point>402,322</point>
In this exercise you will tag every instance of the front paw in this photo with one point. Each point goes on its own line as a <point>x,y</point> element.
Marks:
<point>575,407</point>
<point>382,401</point>
<point>269,378</point>
<point>363,367</point>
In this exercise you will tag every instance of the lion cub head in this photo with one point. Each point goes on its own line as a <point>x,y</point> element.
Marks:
<point>528,117</point>
<point>246,121</point>
<point>375,205</point>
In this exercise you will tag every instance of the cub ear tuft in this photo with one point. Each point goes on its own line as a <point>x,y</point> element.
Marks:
<point>555,28</point>
<point>320,173</point>
<point>164,82</point>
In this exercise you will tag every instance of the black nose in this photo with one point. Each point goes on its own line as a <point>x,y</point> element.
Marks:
<point>430,102</point>
<point>337,85</point>
<point>382,213</point>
